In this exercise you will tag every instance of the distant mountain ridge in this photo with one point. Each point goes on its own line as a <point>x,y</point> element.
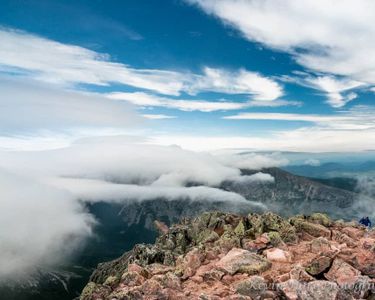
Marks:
<point>331,169</point>
<point>292,194</point>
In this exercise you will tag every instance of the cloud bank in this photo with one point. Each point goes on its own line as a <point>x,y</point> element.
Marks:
<point>42,215</point>
<point>28,106</point>
<point>39,225</point>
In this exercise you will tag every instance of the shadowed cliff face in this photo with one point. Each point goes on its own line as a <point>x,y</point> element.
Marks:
<point>228,256</point>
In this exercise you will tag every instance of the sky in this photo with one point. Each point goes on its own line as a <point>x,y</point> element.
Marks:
<point>129,100</point>
<point>202,74</point>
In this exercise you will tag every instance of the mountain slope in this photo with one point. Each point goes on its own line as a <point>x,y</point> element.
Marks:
<point>292,194</point>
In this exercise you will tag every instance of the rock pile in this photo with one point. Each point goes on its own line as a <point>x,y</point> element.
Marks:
<point>227,256</point>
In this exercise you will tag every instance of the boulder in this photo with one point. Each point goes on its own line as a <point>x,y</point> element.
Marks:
<point>242,261</point>
<point>319,265</point>
<point>273,222</point>
<point>319,290</point>
<point>260,243</point>
<point>364,259</point>
<point>343,238</point>
<point>312,229</point>
<point>320,245</point>
<point>278,255</point>
<point>132,279</point>
<point>253,287</point>
<point>342,273</point>
<point>299,273</point>
<point>188,264</point>
<point>289,289</point>
<point>353,232</point>
<point>275,238</point>
<point>151,287</point>
<point>314,290</point>
<point>320,218</point>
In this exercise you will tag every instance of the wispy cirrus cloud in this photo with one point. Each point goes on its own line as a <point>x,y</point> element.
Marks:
<point>157,116</point>
<point>259,88</point>
<point>322,36</point>
<point>357,118</point>
<point>145,100</point>
<point>49,61</point>
<point>338,90</point>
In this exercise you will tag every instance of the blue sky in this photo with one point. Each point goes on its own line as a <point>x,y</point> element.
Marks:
<point>267,75</point>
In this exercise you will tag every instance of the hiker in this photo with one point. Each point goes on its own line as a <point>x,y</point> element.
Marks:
<point>365,221</point>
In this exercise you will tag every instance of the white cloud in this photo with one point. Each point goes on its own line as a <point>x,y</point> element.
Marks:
<point>257,177</point>
<point>312,162</point>
<point>345,131</point>
<point>240,82</point>
<point>252,161</point>
<point>144,99</point>
<point>335,88</point>
<point>157,116</point>
<point>321,35</point>
<point>311,139</point>
<point>45,204</point>
<point>100,191</point>
<point>54,62</point>
<point>39,225</point>
<point>357,118</point>
<point>27,106</point>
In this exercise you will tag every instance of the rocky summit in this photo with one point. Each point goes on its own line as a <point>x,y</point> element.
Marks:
<point>259,256</point>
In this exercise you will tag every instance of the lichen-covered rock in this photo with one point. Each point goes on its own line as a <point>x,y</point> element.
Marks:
<point>132,278</point>
<point>93,291</point>
<point>111,281</point>
<point>242,261</point>
<point>88,291</point>
<point>319,290</point>
<point>274,238</point>
<point>319,265</point>
<point>253,287</point>
<point>313,229</point>
<point>320,218</point>
<point>314,290</point>
<point>229,239</point>
<point>256,225</point>
<point>226,256</point>
<point>320,245</point>
<point>299,273</point>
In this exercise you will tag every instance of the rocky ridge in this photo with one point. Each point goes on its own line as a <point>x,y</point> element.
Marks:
<point>226,256</point>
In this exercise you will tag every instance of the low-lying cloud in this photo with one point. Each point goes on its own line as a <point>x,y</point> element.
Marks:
<point>365,203</point>
<point>42,215</point>
<point>39,225</point>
